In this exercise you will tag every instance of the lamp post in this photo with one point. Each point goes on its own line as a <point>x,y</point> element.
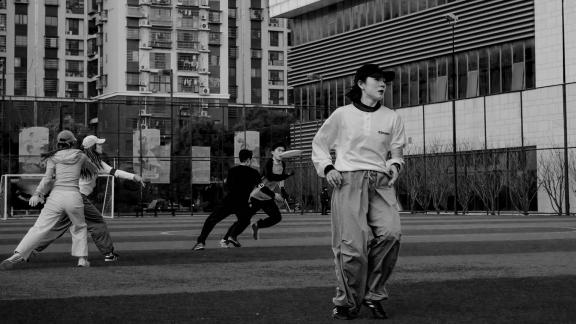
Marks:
<point>170,72</point>
<point>565,121</point>
<point>320,77</point>
<point>452,19</point>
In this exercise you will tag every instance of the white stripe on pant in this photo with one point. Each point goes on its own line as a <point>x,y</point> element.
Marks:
<point>365,236</point>
<point>60,201</point>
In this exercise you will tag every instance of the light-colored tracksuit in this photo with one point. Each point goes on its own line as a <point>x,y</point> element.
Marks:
<point>365,220</point>
<point>63,169</point>
<point>96,224</point>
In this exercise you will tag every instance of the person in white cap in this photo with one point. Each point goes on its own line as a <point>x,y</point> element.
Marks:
<point>92,147</point>
<point>369,140</point>
<point>64,168</point>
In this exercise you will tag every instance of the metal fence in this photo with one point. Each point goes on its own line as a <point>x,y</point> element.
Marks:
<point>184,150</point>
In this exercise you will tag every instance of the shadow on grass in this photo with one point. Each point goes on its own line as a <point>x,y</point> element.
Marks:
<point>503,300</point>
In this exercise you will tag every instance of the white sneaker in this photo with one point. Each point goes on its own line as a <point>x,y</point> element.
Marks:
<point>12,261</point>
<point>224,244</point>
<point>83,263</point>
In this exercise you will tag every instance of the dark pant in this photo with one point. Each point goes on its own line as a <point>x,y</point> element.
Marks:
<point>228,208</point>
<point>325,205</point>
<point>96,226</point>
<point>268,206</point>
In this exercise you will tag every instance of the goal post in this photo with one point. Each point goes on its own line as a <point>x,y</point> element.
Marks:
<point>16,189</point>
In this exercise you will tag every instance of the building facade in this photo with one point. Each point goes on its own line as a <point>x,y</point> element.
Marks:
<point>510,66</point>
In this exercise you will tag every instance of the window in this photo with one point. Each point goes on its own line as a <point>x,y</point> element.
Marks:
<point>160,60</point>
<point>188,84</point>
<point>188,39</point>
<point>73,26</point>
<point>51,87</point>
<point>51,64</point>
<point>275,77</point>
<point>74,47</point>
<point>159,82</point>
<point>21,40</point>
<point>20,85</point>
<point>21,19</point>
<point>51,42</point>
<point>275,58</point>
<point>161,39</point>
<point>74,90</point>
<point>75,6</point>
<point>276,97</point>
<point>276,38</point>
<point>74,68</point>
<point>187,62</point>
<point>2,22</point>
<point>2,44</point>
<point>51,21</point>
<point>132,78</point>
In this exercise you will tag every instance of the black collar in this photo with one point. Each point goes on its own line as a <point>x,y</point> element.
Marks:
<point>365,108</point>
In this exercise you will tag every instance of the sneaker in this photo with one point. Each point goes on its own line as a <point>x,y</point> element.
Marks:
<point>198,247</point>
<point>111,257</point>
<point>234,242</point>
<point>343,313</point>
<point>11,262</point>
<point>83,263</point>
<point>224,243</point>
<point>255,230</point>
<point>376,308</point>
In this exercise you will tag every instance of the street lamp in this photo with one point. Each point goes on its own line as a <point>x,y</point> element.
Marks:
<point>320,77</point>
<point>452,19</point>
<point>170,72</point>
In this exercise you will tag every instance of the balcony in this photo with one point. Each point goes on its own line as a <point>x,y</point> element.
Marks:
<point>188,3</point>
<point>51,42</point>
<point>161,44</point>
<point>195,46</point>
<point>51,2</point>
<point>74,94</point>
<point>214,38</point>
<point>132,33</point>
<point>134,12</point>
<point>215,18</point>
<point>160,2</point>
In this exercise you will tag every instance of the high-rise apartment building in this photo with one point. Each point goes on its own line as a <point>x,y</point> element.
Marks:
<point>107,50</point>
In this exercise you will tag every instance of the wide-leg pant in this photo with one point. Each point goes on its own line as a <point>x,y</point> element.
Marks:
<point>365,237</point>
<point>58,202</point>
<point>96,227</point>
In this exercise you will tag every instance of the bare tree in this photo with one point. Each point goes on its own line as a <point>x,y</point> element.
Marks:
<point>413,179</point>
<point>551,177</point>
<point>522,182</point>
<point>465,177</point>
<point>439,183</point>
<point>488,179</point>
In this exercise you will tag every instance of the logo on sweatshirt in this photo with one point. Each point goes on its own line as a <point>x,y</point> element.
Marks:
<point>383,133</point>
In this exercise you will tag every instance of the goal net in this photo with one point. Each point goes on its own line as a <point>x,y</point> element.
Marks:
<point>16,190</point>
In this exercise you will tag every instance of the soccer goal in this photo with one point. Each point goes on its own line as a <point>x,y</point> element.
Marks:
<point>16,190</point>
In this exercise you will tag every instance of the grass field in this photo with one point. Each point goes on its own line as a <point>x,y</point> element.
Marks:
<point>452,269</point>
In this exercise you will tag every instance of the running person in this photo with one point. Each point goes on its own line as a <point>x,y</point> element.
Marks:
<point>365,220</point>
<point>263,196</point>
<point>64,166</point>
<point>92,147</point>
<point>240,182</point>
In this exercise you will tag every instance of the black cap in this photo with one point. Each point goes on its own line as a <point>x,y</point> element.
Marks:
<point>372,70</point>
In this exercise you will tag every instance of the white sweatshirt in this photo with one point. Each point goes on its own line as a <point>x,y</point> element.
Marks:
<point>361,139</point>
<point>87,185</point>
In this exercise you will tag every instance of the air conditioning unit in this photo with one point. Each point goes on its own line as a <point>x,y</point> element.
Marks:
<point>203,113</point>
<point>204,26</point>
<point>204,90</point>
<point>203,47</point>
<point>179,3</point>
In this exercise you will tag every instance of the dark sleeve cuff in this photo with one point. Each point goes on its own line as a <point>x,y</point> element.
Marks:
<point>398,167</point>
<point>328,169</point>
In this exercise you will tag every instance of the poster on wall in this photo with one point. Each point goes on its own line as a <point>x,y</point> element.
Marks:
<point>32,141</point>
<point>200,165</point>
<point>151,158</point>
<point>249,140</point>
